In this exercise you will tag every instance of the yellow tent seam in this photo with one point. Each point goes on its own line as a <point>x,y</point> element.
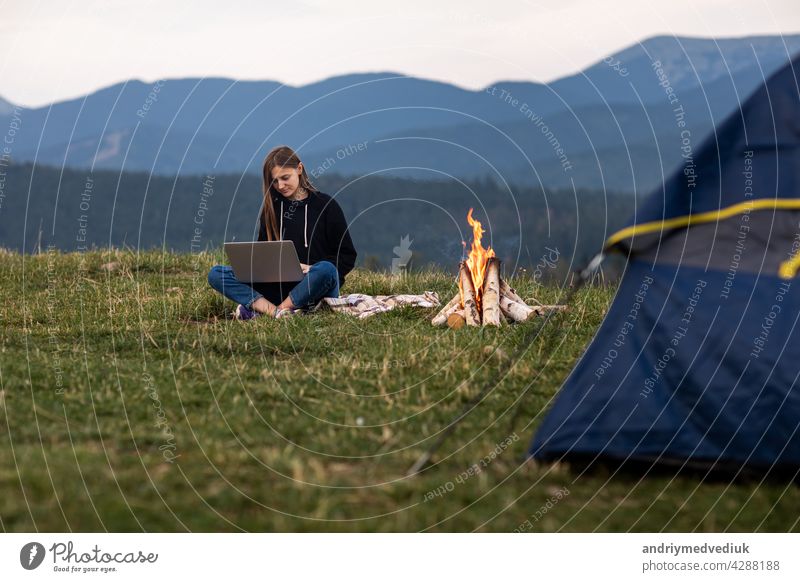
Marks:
<point>702,217</point>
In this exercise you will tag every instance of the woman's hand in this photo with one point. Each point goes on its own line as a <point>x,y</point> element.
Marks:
<point>304,267</point>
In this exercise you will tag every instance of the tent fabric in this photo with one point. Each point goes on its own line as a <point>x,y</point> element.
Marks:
<point>754,242</point>
<point>698,359</point>
<point>750,161</point>
<point>680,370</point>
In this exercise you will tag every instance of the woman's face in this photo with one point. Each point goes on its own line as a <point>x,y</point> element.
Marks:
<point>286,180</point>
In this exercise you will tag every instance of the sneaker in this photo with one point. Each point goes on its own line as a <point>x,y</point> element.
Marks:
<point>281,313</point>
<point>243,314</point>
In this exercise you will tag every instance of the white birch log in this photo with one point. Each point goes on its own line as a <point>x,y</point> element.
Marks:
<point>515,311</point>
<point>506,289</point>
<point>490,300</point>
<point>441,317</point>
<point>468,296</point>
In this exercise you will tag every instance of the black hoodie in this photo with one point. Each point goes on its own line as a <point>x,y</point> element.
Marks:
<point>318,229</point>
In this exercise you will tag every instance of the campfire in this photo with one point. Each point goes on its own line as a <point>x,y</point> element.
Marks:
<point>483,297</point>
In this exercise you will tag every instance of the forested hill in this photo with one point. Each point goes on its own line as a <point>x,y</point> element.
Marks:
<point>73,210</point>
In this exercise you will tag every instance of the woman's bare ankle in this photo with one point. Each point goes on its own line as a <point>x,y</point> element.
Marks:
<point>286,303</point>
<point>263,306</point>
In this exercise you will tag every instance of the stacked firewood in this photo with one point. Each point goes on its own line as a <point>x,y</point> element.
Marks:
<point>497,303</point>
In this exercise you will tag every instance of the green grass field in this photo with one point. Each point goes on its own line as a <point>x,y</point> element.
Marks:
<point>130,401</point>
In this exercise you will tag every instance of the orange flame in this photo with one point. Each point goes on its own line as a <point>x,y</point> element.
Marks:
<point>476,260</point>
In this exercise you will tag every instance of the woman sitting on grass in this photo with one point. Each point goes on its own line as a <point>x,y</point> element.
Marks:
<point>314,222</point>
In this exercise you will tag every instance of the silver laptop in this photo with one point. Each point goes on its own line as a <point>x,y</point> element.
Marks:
<point>264,261</point>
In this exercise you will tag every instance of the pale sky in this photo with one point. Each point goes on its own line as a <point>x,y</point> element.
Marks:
<point>54,50</point>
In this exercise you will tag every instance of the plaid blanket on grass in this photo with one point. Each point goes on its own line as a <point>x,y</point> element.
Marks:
<point>362,306</point>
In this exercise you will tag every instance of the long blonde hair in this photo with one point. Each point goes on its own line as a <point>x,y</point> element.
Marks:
<point>279,157</point>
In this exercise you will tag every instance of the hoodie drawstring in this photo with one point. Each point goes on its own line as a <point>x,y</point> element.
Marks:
<point>305,225</point>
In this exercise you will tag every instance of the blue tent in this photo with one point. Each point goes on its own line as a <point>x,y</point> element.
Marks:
<point>698,359</point>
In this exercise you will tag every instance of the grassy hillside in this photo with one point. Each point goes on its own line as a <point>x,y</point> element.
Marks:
<point>130,401</point>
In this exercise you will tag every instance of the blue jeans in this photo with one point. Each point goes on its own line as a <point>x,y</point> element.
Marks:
<point>322,280</point>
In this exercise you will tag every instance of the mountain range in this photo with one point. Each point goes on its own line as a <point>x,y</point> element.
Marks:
<point>613,126</point>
